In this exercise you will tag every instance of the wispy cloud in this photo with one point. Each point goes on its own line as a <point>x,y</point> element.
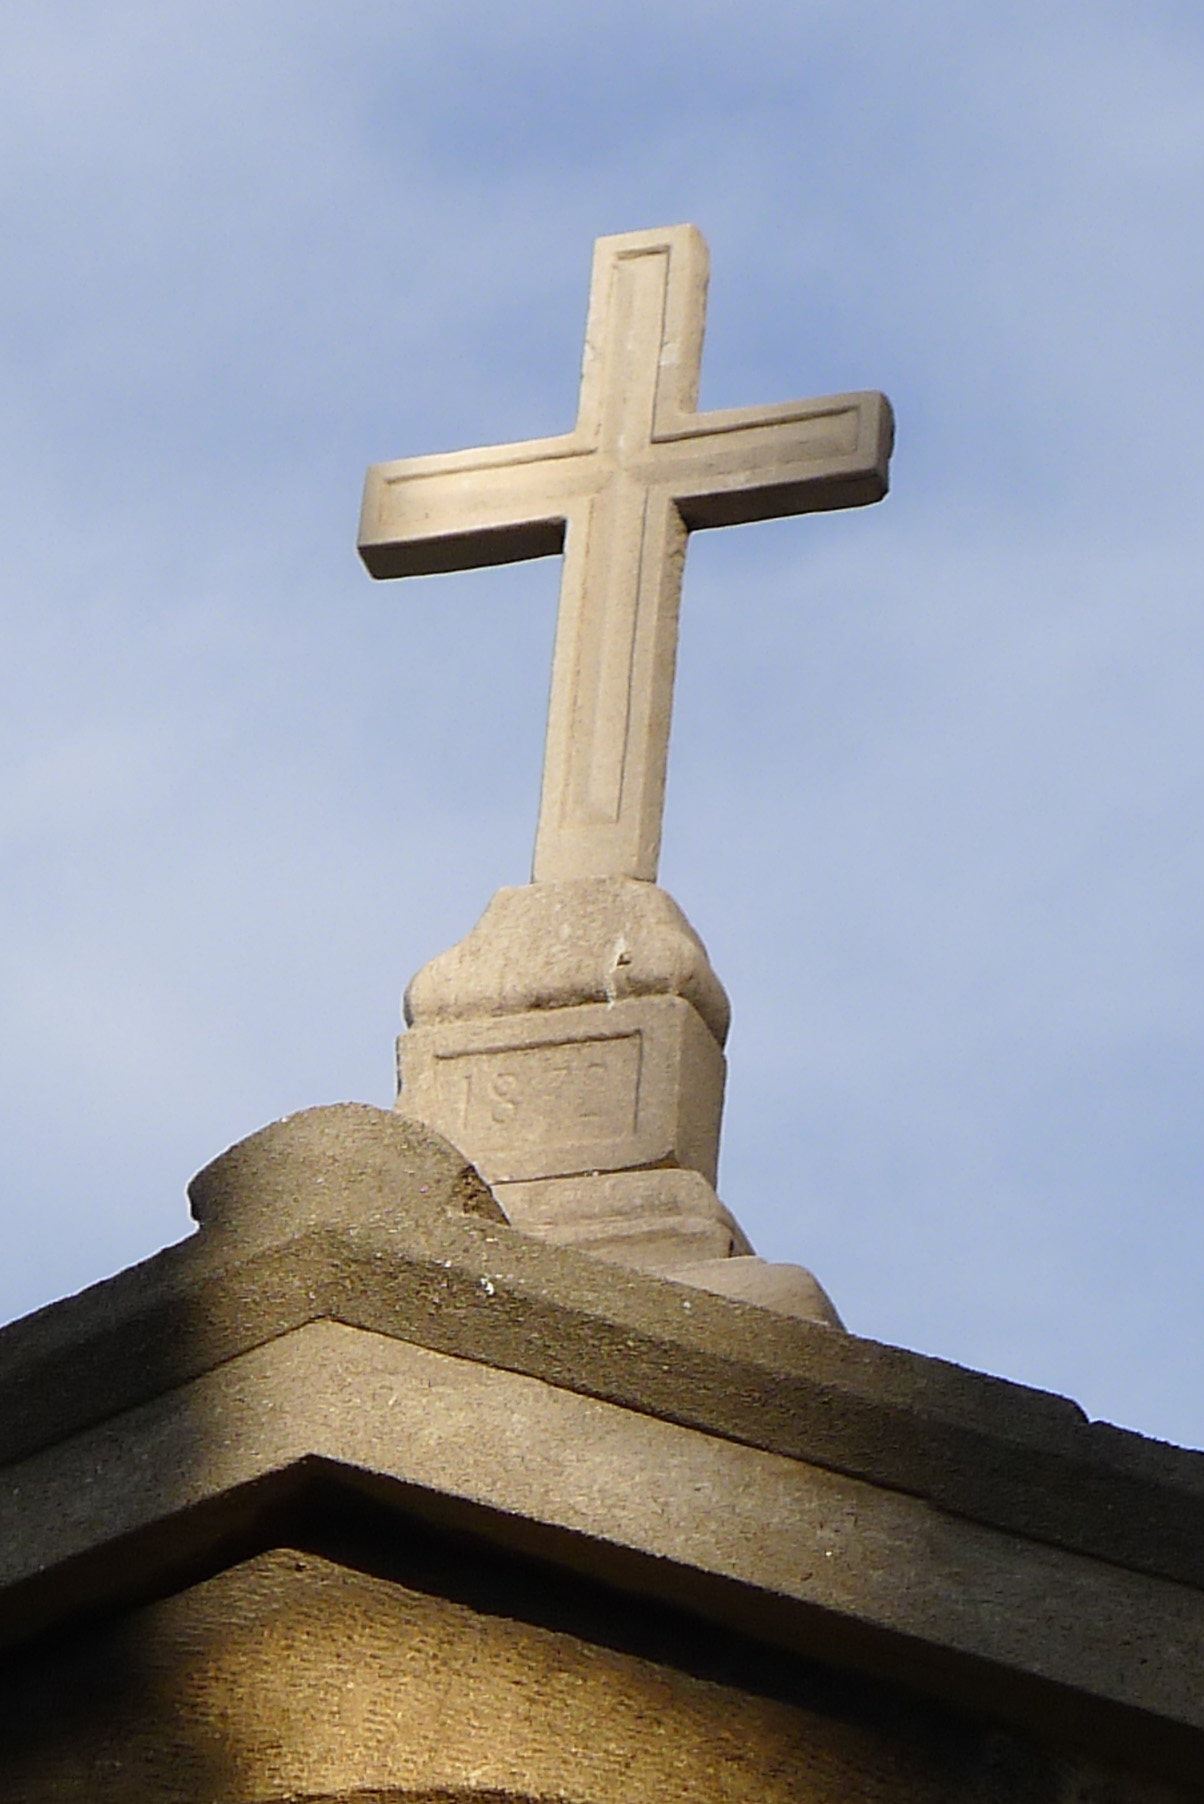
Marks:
<point>937,769</point>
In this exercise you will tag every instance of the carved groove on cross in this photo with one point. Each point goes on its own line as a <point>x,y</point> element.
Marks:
<point>618,495</point>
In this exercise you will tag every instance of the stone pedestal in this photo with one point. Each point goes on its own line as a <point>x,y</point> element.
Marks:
<point>658,1221</point>
<point>572,1047</point>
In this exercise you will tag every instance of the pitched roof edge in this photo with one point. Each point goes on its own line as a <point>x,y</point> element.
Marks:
<point>370,1230</point>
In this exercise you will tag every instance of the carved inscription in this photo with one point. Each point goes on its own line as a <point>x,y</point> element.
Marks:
<point>573,1091</point>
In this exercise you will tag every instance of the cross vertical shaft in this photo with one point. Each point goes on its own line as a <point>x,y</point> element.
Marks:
<point>616,637</point>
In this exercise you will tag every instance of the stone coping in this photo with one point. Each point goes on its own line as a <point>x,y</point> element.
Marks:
<point>328,1419</point>
<point>352,1215</point>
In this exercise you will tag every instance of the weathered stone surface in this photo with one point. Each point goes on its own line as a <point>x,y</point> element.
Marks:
<point>370,1339</point>
<point>619,495</point>
<point>649,1220</point>
<point>790,1289</point>
<point>346,1159</point>
<point>597,1124</point>
<point>420,1270</point>
<point>604,1087</point>
<point>667,1222</point>
<point>815,1562</point>
<point>293,1676</point>
<point>562,1045</point>
<point>579,1093</point>
<point>556,945</point>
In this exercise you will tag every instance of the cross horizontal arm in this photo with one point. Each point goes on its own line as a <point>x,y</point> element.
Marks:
<point>745,463</point>
<point>466,509</point>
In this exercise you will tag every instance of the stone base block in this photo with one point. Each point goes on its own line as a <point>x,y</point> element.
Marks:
<point>654,1221</point>
<point>559,1092</point>
<point>788,1289</point>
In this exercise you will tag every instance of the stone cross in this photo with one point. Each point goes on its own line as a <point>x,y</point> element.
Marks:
<point>618,495</point>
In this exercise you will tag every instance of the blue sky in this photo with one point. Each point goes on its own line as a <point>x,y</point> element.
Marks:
<point>937,769</point>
